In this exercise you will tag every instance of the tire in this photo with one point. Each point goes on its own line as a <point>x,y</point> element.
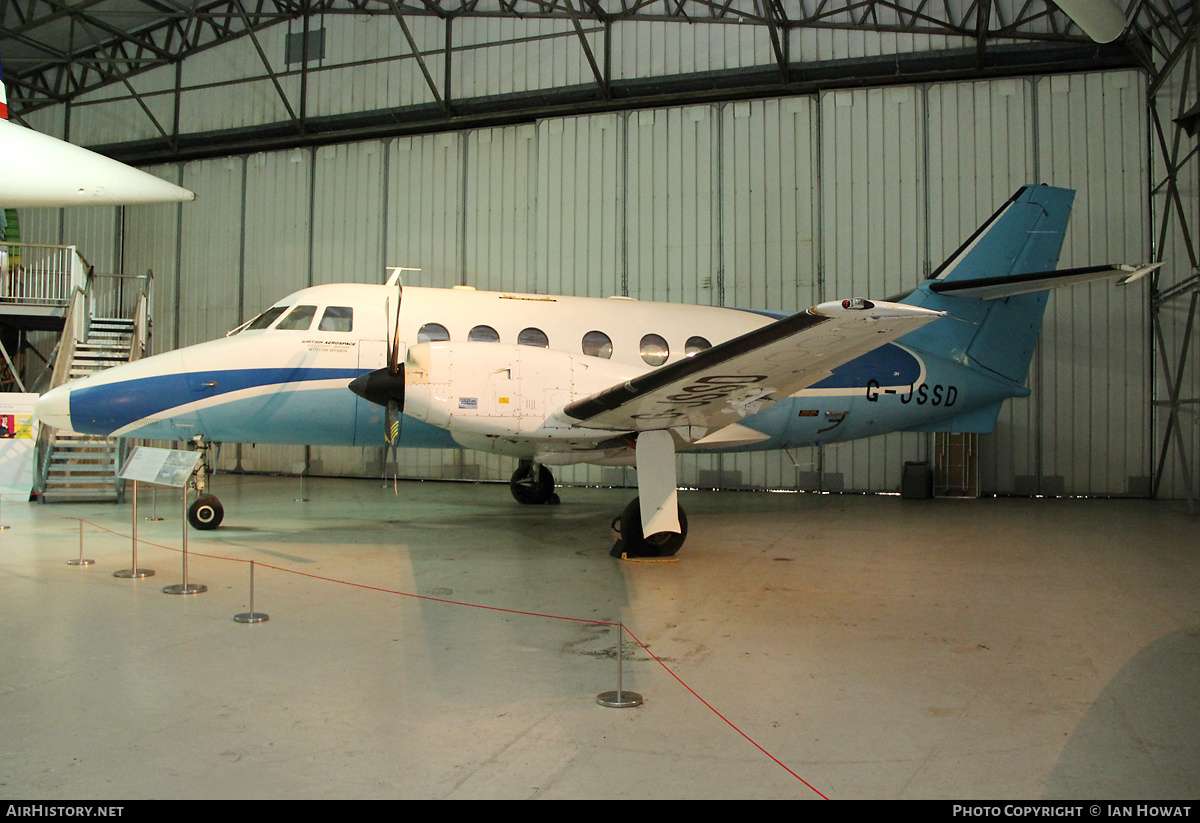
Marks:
<point>529,492</point>
<point>206,513</point>
<point>663,544</point>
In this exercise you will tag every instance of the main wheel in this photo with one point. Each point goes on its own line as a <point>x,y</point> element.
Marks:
<point>206,513</point>
<point>530,490</point>
<point>662,544</point>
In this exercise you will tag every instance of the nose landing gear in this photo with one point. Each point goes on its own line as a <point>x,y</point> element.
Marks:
<point>206,511</point>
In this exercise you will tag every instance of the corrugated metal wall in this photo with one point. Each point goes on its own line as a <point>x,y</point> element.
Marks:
<point>771,204</point>
<point>368,64</point>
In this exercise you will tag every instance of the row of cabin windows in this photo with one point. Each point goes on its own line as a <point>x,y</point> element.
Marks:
<point>654,349</point>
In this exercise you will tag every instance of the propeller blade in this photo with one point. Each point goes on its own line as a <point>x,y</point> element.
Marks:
<point>394,351</point>
<point>391,423</point>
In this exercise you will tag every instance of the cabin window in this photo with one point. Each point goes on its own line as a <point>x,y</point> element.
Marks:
<point>597,344</point>
<point>483,334</point>
<point>695,345</point>
<point>337,318</point>
<point>432,333</point>
<point>533,337</point>
<point>299,319</point>
<point>266,318</point>
<point>654,350</point>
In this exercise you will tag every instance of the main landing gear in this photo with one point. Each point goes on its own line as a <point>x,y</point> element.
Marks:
<point>533,484</point>
<point>632,543</point>
<point>206,511</point>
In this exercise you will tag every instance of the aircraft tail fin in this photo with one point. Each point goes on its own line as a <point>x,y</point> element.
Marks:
<point>3,96</point>
<point>1024,235</point>
<point>1019,244</point>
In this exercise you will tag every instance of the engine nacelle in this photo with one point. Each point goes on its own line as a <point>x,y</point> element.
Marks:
<point>500,390</point>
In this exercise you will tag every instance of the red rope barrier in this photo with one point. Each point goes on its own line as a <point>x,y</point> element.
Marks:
<point>382,590</point>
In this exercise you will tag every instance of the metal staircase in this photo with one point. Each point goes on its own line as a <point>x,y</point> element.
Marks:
<point>108,343</point>
<point>103,320</point>
<point>84,467</point>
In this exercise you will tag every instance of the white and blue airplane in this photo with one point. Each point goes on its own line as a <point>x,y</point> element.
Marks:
<point>610,381</point>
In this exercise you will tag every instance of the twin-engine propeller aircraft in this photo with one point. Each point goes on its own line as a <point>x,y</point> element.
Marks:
<point>560,380</point>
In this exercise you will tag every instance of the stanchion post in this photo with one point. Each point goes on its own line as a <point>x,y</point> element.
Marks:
<point>153,518</point>
<point>185,587</point>
<point>80,561</point>
<point>620,699</point>
<point>133,571</point>
<point>251,616</point>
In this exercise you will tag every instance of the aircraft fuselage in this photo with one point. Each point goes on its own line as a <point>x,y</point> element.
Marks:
<point>281,384</point>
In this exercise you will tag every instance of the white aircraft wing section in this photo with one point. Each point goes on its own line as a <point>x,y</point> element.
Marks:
<point>721,385</point>
<point>39,170</point>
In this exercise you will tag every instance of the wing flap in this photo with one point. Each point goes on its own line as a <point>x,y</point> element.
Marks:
<point>724,384</point>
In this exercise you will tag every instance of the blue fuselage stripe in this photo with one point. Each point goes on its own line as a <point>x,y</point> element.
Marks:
<point>110,406</point>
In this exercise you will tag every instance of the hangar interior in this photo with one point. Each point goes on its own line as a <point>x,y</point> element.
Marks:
<point>745,154</point>
<point>752,153</point>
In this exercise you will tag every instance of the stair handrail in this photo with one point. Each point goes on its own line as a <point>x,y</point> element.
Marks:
<point>42,451</point>
<point>74,331</point>
<point>139,346</point>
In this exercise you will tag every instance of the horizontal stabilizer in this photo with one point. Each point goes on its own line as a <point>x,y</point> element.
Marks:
<point>995,288</point>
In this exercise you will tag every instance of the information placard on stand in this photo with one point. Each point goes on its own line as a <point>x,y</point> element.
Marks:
<point>162,467</point>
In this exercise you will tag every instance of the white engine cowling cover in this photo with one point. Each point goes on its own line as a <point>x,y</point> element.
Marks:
<point>501,390</point>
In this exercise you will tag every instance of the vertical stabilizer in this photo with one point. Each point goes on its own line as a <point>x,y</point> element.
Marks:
<point>3,96</point>
<point>1023,237</point>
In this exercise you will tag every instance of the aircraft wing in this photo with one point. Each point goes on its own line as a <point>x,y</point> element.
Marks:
<point>39,170</point>
<point>721,385</point>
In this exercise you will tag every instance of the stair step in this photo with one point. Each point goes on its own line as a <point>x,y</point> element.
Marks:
<point>78,495</point>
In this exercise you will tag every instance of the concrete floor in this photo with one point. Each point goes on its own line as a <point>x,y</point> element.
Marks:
<point>878,648</point>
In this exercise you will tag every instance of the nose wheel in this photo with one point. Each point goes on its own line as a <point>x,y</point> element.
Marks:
<point>206,512</point>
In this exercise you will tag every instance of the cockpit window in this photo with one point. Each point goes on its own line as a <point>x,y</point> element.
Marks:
<point>533,337</point>
<point>432,333</point>
<point>597,344</point>
<point>266,318</point>
<point>299,319</point>
<point>483,334</point>
<point>337,318</point>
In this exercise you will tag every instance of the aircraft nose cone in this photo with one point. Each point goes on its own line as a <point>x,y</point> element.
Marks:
<point>54,408</point>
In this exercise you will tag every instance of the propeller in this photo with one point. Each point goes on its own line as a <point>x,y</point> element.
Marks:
<point>385,387</point>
